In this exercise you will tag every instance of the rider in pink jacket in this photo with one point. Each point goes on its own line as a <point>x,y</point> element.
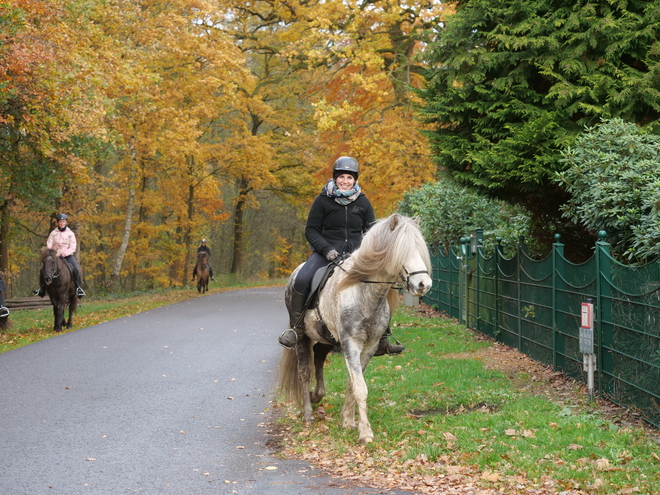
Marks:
<point>63,241</point>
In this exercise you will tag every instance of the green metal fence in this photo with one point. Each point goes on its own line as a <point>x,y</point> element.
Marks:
<point>534,306</point>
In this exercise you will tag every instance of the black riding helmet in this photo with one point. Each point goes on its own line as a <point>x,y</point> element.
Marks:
<point>61,216</point>
<point>345,165</point>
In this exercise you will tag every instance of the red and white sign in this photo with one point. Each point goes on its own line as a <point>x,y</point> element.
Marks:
<point>587,315</point>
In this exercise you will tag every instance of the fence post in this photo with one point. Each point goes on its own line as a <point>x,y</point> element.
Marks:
<point>557,339</point>
<point>519,270</point>
<point>450,283</point>
<point>522,249</point>
<point>463,276</point>
<point>604,337</point>
<point>498,255</point>
<point>476,244</point>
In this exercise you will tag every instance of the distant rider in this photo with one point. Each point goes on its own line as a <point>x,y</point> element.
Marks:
<point>63,241</point>
<point>203,248</point>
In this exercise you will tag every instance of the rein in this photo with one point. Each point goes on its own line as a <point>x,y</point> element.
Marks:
<point>397,285</point>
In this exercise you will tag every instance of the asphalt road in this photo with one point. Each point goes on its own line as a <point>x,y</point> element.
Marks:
<point>169,401</point>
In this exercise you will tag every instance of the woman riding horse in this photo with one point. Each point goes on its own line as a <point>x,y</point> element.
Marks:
<point>337,221</point>
<point>63,240</point>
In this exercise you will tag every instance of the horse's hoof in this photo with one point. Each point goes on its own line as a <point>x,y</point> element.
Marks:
<point>366,440</point>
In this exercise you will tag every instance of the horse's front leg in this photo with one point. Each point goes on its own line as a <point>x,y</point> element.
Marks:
<point>58,314</point>
<point>321,352</point>
<point>356,394</point>
<point>302,353</point>
<point>69,322</point>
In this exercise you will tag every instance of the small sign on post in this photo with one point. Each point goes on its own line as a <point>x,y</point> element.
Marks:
<point>587,328</point>
<point>587,343</point>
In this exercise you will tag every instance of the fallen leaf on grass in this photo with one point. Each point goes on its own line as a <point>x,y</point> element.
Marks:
<point>490,476</point>
<point>574,446</point>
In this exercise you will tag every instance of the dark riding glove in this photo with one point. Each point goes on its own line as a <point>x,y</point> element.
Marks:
<point>331,255</point>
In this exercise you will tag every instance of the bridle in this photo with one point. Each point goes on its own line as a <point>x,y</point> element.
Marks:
<point>57,271</point>
<point>405,279</point>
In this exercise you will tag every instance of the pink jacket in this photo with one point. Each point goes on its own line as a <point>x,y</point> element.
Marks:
<point>64,242</point>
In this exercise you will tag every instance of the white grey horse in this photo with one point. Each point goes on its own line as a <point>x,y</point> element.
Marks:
<point>355,306</point>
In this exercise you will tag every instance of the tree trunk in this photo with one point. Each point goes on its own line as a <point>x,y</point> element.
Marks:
<point>4,236</point>
<point>114,276</point>
<point>187,233</point>
<point>238,226</point>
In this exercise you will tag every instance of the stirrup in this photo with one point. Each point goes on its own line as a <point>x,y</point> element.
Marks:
<point>4,311</point>
<point>41,291</point>
<point>80,292</point>
<point>389,349</point>
<point>288,341</point>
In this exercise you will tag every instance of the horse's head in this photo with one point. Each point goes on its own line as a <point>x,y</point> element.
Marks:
<point>411,253</point>
<point>49,265</point>
<point>394,247</point>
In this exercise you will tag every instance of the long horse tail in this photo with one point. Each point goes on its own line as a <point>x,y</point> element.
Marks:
<point>287,377</point>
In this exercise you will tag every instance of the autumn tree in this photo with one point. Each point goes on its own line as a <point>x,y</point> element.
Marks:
<point>365,104</point>
<point>174,78</point>
<point>328,78</point>
<point>45,105</point>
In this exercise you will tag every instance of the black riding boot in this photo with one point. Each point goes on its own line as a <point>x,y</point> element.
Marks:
<point>384,346</point>
<point>4,311</point>
<point>79,290</point>
<point>289,337</point>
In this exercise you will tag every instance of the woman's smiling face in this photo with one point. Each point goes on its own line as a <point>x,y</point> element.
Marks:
<point>345,182</point>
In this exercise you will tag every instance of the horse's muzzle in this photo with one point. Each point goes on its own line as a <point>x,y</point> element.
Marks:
<point>419,284</point>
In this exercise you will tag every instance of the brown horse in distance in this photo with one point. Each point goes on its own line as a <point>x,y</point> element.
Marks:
<point>60,287</point>
<point>202,271</point>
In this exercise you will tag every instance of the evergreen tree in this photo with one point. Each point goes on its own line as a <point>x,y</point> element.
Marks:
<point>513,82</point>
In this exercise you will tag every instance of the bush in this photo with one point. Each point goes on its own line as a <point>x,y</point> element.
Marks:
<point>448,211</point>
<point>613,177</point>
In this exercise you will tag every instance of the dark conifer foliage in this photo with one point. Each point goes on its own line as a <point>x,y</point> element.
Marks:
<point>512,83</point>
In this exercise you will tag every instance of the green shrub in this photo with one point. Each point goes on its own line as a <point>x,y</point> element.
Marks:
<point>613,176</point>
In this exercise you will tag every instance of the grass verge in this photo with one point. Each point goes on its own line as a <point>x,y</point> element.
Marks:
<point>444,422</point>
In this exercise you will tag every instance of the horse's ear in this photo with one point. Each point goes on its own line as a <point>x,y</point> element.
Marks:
<point>417,220</point>
<point>394,221</point>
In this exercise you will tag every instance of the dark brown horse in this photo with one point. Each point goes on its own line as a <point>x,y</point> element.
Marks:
<point>60,287</point>
<point>202,271</point>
